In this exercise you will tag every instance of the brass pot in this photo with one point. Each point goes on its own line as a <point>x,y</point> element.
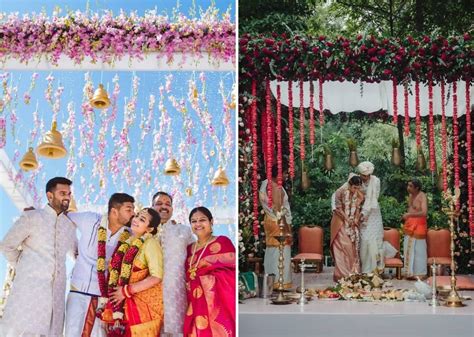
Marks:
<point>305,182</point>
<point>353,159</point>
<point>420,161</point>
<point>396,156</point>
<point>328,162</point>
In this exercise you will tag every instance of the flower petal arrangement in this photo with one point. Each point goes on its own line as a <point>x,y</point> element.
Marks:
<point>108,38</point>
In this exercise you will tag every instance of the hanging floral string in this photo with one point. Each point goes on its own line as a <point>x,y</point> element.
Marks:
<point>291,131</point>
<point>455,135</point>
<point>269,148</point>
<point>278,136</point>
<point>27,94</point>
<point>469,158</point>
<point>69,133</point>
<point>431,127</point>
<point>254,159</point>
<point>311,113</point>
<point>227,118</point>
<point>48,94</point>
<point>395,101</point>
<point>57,101</point>
<point>321,109</point>
<point>406,110</point>
<point>302,145</point>
<point>444,137</point>
<point>418,116</point>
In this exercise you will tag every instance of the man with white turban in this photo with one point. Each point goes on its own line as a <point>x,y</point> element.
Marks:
<point>371,230</point>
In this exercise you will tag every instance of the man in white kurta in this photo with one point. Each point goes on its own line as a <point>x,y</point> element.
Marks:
<point>174,239</point>
<point>371,230</point>
<point>82,300</point>
<point>35,306</point>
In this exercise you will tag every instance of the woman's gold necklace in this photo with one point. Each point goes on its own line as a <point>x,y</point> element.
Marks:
<point>193,268</point>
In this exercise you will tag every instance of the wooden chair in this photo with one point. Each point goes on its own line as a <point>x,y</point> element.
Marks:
<point>438,244</point>
<point>310,247</point>
<point>392,236</point>
<point>257,263</point>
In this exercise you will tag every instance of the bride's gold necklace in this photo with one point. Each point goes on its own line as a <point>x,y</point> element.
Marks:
<point>193,268</point>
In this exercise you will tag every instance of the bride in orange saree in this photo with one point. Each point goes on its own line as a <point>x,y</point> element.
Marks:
<point>210,280</point>
<point>345,222</point>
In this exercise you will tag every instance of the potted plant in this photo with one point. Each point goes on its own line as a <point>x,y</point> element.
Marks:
<point>353,158</point>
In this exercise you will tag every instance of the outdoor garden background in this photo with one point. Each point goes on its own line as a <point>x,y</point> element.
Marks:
<point>275,32</point>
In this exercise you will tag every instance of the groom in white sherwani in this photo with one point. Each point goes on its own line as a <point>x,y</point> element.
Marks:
<point>174,239</point>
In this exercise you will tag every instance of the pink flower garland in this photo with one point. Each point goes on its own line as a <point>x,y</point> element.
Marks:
<point>269,148</point>
<point>254,158</point>
<point>455,135</point>
<point>311,113</point>
<point>321,109</point>
<point>406,111</point>
<point>418,117</point>
<point>278,136</point>
<point>444,136</point>
<point>431,126</point>
<point>469,159</point>
<point>302,143</point>
<point>395,103</point>
<point>291,131</point>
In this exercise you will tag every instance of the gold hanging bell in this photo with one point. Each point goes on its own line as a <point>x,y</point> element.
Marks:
<point>100,100</point>
<point>396,156</point>
<point>172,167</point>
<point>52,145</point>
<point>189,192</point>
<point>353,159</point>
<point>420,161</point>
<point>305,182</point>
<point>328,162</point>
<point>72,205</point>
<point>29,162</point>
<point>220,178</point>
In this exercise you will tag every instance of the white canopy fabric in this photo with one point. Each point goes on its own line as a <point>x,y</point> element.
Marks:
<point>151,62</point>
<point>348,97</point>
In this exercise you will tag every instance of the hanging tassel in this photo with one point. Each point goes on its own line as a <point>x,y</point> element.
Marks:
<point>256,224</point>
<point>431,126</point>
<point>269,149</point>
<point>321,110</point>
<point>302,143</point>
<point>395,103</point>
<point>469,158</point>
<point>455,135</point>
<point>278,136</point>
<point>444,136</point>
<point>290,128</point>
<point>407,112</point>
<point>311,113</point>
<point>418,117</point>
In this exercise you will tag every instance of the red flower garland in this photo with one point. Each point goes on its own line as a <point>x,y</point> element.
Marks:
<point>269,149</point>
<point>395,103</point>
<point>256,224</point>
<point>311,113</point>
<point>407,111</point>
<point>278,136</point>
<point>469,158</point>
<point>302,144</point>
<point>290,128</point>
<point>431,126</point>
<point>321,110</point>
<point>455,135</point>
<point>444,136</point>
<point>418,117</point>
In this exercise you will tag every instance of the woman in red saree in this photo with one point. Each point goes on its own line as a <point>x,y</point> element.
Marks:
<point>135,306</point>
<point>345,222</point>
<point>210,281</point>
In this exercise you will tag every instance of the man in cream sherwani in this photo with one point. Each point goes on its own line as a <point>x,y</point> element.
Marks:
<point>35,306</point>
<point>174,240</point>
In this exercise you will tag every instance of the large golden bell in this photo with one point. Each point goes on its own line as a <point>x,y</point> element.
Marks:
<point>72,205</point>
<point>172,167</point>
<point>100,100</point>
<point>28,162</point>
<point>52,145</point>
<point>220,178</point>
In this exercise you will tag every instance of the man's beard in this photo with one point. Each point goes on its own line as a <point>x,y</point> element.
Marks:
<point>64,205</point>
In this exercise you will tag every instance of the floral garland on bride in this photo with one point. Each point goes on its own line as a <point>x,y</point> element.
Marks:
<point>351,207</point>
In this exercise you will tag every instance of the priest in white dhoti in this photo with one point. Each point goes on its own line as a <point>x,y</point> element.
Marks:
<point>99,234</point>
<point>371,230</point>
<point>174,239</point>
<point>37,245</point>
<point>280,211</point>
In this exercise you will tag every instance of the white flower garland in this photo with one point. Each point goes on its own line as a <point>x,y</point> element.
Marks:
<point>350,211</point>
